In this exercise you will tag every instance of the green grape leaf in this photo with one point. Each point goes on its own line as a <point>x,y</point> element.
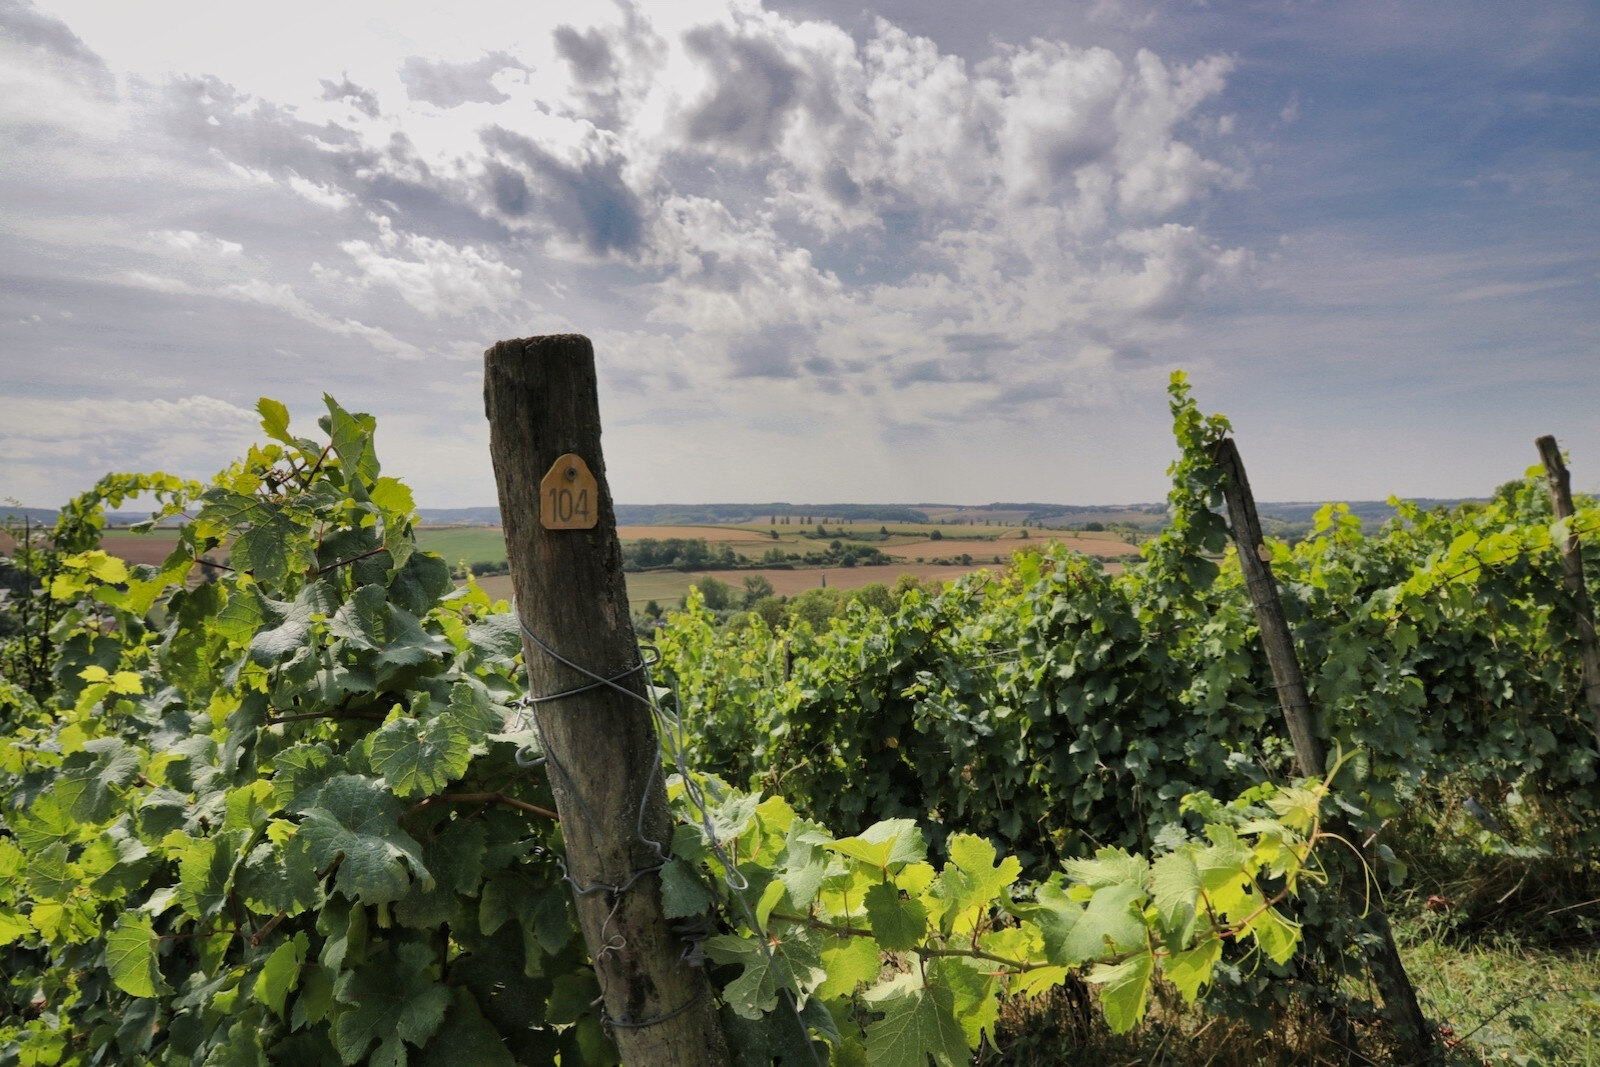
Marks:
<point>454,856</point>
<point>13,927</point>
<point>898,925</point>
<point>280,974</point>
<point>131,956</point>
<point>1124,990</point>
<point>276,878</point>
<point>205,872</point>
<point>976,997</point>
<point>466,1037</point>
<point>241,616</point>
<point>1056,914</point>
<point>274,546</point>
<point>1175,892</point>
<point>792,963</point>
<point>391,999</point>
<point>421,579</point>
<point>917,1024</point>
<point>287,626</point>
<point>497,636</point>
<point>1276,935</point>
<point>683,893</point>
<point>1109,923</point>
<point>90,780</point>
<point>301,773</point>
<point>275,420</point>
<point>1191,969</point>
<point>1110,866</point>
<point>888,842</point>
<point>421,758</point>
<point>357,822</point>
<point>850,963</point>
<point>50,875</point>
<point>975,857</point>
<point>351,435</point>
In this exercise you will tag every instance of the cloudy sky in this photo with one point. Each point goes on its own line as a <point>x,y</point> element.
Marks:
<point>916,250</point>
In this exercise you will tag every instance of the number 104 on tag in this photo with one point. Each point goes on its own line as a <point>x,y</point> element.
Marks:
<point>569,496</point>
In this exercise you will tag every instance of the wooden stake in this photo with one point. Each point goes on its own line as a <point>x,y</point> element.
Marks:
<point>1383,958</point>
<point>603,753</point>
<point>1572,573</point>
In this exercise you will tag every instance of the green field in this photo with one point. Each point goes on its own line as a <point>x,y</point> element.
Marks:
<point>469,543</point>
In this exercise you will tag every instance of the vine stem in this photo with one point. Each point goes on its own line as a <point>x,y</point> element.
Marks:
<point>923,951</point>
<point>485,798</point>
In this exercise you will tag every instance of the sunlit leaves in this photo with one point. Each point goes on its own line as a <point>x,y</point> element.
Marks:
<point>131,956</point>
<point>918,1023</point>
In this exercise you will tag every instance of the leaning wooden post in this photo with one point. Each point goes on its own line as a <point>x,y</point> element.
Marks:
<point>1383,958</point>
<point>1572,573</point>
<point>602,751</point>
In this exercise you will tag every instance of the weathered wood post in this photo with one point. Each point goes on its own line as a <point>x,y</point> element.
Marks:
<point>1572,573</point>
<point>601,746</point>
<point>1383,958</point>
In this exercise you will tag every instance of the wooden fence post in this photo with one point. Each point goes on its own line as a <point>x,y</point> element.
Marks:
<point>1572,573</point>
<point>600,741</point>
<point>1383,958</point>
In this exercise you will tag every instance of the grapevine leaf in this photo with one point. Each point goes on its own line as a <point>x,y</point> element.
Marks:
<point>90,779</point>
<point>301,773</point>
<point>131,956</point>
<point>888,842</point>
<point>280,974</point>
<point>1110,922</point>
<point>274,546</point>
<point>1192,968</point>
<point>351,435</point>
<point>287,626</point>
<point>917,1024</point>
<point>1175,891</point>
<point>975,857</point>
<point>466,1037</point>
<point>1056,914</point>
<point>421,758</point>
<point>1124,990</point>
<point>422,580</point>
<point>358,822</point>
<point>13,927</point>
<point>683,893</point>
<point>497,636</point>
<point>1110,866</point>
<point>1276,935</point>
<point>898,925</point>
<point>282,878</point>
<point>205,872</point>
<point>391,999</point>
<point>793,963</point>
<point>275,420</point>
<point>976,998</point>
<point>851,963</point>
<point>454,857</point>
<point>50,875</point>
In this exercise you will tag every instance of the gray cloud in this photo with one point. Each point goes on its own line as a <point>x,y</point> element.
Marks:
<point>587,201</point>
<point>453,84</point>
<point>756,89</point>
<point>25,25</point>
<point>589,54</point>
<point>778,351</point>
<point>363,100</point>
